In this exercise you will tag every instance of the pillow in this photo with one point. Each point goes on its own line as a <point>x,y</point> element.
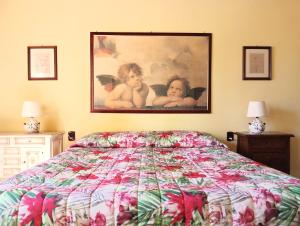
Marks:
<point>180,138</point>
<point>162,139</point>
<point>112,140</point>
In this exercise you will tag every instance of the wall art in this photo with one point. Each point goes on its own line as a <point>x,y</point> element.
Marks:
<point>150,72</point>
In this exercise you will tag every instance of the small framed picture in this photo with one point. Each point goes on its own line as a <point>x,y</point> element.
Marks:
<point>42,62</point>
<point>257,63</point>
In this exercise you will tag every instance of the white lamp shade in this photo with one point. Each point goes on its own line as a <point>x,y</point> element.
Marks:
<point>31,109</point>
<point>256,109</point>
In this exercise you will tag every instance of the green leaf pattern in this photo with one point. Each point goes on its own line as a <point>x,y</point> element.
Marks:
<point>155,178</point>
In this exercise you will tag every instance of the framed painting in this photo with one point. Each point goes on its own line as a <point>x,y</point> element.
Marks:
<point>42,62</point>
<point>150,72</point>
<point>257,63</point>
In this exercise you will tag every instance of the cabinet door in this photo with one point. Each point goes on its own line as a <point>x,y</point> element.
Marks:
<point>10,161</point>
<point>31,157</point>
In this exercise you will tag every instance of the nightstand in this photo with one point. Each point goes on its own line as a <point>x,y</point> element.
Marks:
<point>20,151</point>
<point>269,148</point>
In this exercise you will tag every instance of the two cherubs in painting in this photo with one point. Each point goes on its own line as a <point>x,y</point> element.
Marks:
<point>157,72</point>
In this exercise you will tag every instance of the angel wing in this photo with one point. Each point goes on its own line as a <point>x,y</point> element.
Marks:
<point>161,90</point>
<point>196,92</point>
<point>108,81</point>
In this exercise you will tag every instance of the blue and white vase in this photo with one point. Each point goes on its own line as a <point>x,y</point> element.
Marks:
<point>32,126</point>
<point>256,126</point>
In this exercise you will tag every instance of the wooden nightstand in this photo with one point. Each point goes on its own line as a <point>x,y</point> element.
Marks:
<point>269,148</point>
<point>20,151</point>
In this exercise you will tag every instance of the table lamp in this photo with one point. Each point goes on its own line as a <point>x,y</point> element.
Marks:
<point>256,109</point>
<point>31,110</point>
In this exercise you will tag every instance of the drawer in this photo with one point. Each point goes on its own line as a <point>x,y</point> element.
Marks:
<point>7,172</point>
<point>271,142</point>
<point>268,150</point>
<point>29,140</point>
<point>11,151</point>
<point>11,161</point>
<point>274,160</point>
<point>4,141</point>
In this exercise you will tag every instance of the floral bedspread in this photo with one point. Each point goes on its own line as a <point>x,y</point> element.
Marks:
<point>150,178</point>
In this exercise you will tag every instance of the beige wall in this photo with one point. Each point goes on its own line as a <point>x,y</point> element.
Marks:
<point>233,23</point>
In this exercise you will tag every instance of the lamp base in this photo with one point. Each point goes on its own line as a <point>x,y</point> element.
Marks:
<point>256,126</point>
<point>32,126</point>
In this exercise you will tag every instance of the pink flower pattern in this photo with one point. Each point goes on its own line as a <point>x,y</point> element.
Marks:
<point>169,177</point>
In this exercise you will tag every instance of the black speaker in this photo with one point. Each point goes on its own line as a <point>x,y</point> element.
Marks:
<point>71,135</point>
<point>230,136</point>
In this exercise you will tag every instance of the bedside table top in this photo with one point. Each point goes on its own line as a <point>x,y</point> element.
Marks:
<point>266,133</point>
<point>22,133</point>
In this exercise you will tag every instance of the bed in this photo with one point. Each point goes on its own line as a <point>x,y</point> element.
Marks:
<point>150,178</point>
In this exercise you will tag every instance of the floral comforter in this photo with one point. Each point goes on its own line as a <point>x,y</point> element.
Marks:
<point>150,178</point>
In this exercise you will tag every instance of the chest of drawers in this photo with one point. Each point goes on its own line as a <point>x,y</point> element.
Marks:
<point>269,148</point>
<point>19,151</point>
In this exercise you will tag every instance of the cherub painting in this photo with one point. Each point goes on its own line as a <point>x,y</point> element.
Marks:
<point>150,72</point>
<point>177,93</point>
<point>129,93</point>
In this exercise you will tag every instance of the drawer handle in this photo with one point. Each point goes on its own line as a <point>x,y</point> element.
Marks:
<point>29,141</point>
